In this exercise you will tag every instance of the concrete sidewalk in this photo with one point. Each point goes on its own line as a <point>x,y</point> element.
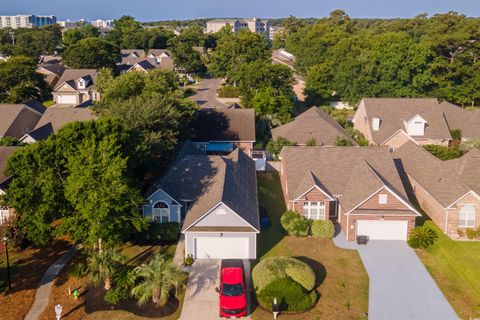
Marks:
<point>43,292</point>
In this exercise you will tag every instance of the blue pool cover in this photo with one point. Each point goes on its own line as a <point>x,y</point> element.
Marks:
<point>220,147</point>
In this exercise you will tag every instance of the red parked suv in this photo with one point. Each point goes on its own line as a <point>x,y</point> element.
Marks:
<point>233,297</point>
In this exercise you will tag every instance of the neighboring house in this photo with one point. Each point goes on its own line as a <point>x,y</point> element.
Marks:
<point>256,25</point>
<point>221,131</point>
<point>55,118</point>
<point>138,60</point>
<point>360,188</point>
<point>18,119</point>
<point>76,86</point>
<point>312,124</point>
<point>448,191</point>
<point>394,121</point>
<point>5,153</point>
<point>215,200</point>
<point>51,72</point>
<point>459,118</point>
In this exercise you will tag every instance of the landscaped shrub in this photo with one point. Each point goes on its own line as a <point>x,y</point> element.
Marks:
<point>443,152</point>
<point>188,260</point>
<point>290,295</point>
<point>115,296</point>
<point>228,92</point>
<point>271,269</point>
<point>472,233</point>
<point>322,229</point>
<point>422,237</point>
<point>295,224</point>
<point>166,232</point>
<point>79,270</point>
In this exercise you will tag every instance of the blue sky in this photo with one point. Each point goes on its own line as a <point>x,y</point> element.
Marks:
<point>150,10</point>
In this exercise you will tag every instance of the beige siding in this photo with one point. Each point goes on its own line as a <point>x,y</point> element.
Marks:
<point>360,124</point>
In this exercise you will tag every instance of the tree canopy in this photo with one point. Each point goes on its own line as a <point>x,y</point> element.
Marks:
<point>349,59</point>
<point>19,81</point>
<point>91,53</point>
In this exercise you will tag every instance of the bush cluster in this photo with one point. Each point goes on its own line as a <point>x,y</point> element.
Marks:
<point>322,229</point>
<point>422,237</point>
<point>228,92</point>
<point>295,224</point>
<point>271,269</point>
<point>166,232</point>
<point>299,226</point>
<point>115,296</point>
<point>290,295</point>
<point>472,233</point>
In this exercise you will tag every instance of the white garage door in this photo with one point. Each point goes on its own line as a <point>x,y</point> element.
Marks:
<point>382,229</point>
<point>221,248</point>
<point>67,99</point>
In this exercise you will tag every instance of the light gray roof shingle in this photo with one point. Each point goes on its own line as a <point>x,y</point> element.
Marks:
<point>17,119</point>
<point>71,75</point>
<point>5,153</point>
<point>350,173</point>
<point>208,180</point>
<point>459,118</point>
<point>394,111</point>
<point>313,123</point>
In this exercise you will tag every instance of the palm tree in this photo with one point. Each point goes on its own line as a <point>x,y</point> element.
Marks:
<point>103,265</point>
<point>156,280</point>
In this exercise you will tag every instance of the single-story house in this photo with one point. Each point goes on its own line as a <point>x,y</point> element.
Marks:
<point>18,119</point>
<point>358,187</point>
<point>222,130</point>
<point>448,191</point>
<point>51,72</point>
<point>215,200</point>
<point>313,124</point>
<point>138,60</point>
<point>5,153</point>
<point>55,118</point>
<point>394,121</point>
<point>76,86</point>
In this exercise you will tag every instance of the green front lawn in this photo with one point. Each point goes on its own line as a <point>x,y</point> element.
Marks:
<point>454,266</point>
<point>342,282</point>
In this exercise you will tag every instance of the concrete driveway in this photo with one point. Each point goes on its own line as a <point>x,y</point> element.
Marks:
<point>206,96</point>
<point>201,301</point>
<point>400,286</point>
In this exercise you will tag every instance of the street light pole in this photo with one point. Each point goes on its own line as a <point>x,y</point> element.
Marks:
<point>8,263</point>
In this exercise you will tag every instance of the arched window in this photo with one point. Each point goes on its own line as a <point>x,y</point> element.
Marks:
<point>467,216</point>
<point>161,212</point>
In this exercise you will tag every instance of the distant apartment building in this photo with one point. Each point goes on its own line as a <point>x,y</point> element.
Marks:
<point>102,23</point>
<point>26,21</point>
<point>67,24</point>
<point>274,31</point>
<point>256,25</point>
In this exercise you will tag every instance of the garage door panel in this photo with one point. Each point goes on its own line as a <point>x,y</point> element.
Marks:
<point>383,229</point>
<point>67,99</point>
<point>221,247</point>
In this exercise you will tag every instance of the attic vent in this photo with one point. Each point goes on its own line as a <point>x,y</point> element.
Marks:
<point>375,123</point>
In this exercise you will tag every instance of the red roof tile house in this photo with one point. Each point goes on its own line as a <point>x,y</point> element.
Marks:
<point>448,191</point>
<point>360,188</point>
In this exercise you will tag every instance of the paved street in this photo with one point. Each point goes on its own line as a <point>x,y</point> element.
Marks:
<point>201,299</point>
<point>206,96</point>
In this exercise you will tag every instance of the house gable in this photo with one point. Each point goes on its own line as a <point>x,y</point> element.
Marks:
<point>66,88</point>
<point>384,199</point>
<point>315,193</point>
<point>162,196</point>
<point>415,126</point>
<point>221,216</point>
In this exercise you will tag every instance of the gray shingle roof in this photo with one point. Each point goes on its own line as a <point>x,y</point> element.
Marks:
<point>446,181</point>
<point>17,119</point>
<point>465,120</point>
<point>352,173</point>
<point>209,180</point>
<point>5,153</point>
<point>71,75</point>
<point>394,111</point>
<point>313,123</point>
<point>224,125</point>
<point>55,68</point>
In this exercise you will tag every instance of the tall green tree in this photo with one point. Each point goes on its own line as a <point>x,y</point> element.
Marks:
<point>91,53</point>
<point>72,36</point>
<point>19,81</point>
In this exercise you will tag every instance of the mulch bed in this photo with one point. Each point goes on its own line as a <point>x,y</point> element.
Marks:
<point>95,302</point>
<point>28,267</point>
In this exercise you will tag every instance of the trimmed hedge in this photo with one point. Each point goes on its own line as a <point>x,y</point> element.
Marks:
<point>166,232</point>
<point>228,92</point>
<point>295,224</point>
<point>322,229</point>
<point>290,295</point>
<point>274,268</point>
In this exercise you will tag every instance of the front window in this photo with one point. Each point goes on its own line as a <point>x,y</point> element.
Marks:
<point>232,290</point>
<point>314,210</point>
<point>161,212</point>
<point>467,217</point>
